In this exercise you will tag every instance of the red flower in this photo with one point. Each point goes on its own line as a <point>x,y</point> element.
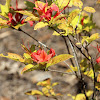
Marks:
<point>98,60</point>
<point>42,56</point>
<point>82,21</point>
<point>98,48</point>
<point>18,16</point>
<point>46,12</point>
<point>11,20</point>
<point>52,51</point>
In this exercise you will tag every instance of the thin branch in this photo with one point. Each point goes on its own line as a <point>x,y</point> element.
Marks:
<point>67,49</point>
<point>75,56</point>
<point>60,72</point>
<point>92,65</point>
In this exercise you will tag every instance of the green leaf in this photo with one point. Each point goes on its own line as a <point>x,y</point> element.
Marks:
<point>31,67</point>
<point>32,48</point>
<point>5,8</point>
<point>13,56</point>
<point>58,59</point>
<point>89,9</point>
<point>34,92</point>
<point>29,5</point>
<point>40,25</point>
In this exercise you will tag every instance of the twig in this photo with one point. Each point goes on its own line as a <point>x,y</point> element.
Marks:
<point>67,49</point>
<point>78,66</point>
<point>60,72</point>
<point>93,96</point>
<point>75,56</point>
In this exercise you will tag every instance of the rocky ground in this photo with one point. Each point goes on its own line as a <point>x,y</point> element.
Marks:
<point>13,85</point>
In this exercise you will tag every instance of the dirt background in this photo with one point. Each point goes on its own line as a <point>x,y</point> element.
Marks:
<point>13,85</point>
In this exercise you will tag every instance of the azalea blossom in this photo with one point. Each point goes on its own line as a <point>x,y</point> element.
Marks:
<point>45,11</point>
<point>42,56</point>
<point>18,16</point>
<point>98,60</point>
<point>98,48</point>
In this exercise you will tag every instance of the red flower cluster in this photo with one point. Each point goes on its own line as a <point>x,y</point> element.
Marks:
<point>98,48</point>
<point>45,11</point>
<point>18,16</point>
<point>42,56</point>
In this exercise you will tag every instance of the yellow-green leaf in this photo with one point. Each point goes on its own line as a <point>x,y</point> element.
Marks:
<point>98,78</point>
<point>61,3</point>
<point>89,9</point>
<point>54,84</point>
<point>91,38</point>
<point>89,73</point>
<point>25,12</point>
<point>31,67</point>
<point>73,97</point>
<point>27,58</point>
<point>34,92</point>
<point>40,25</point>
<point>72,15</point>
<point>13,56</point>
<point>58,59</point>
<point>3,22</point>
<point>78,3</point>
<point>45,82</point>
<point>5,8</point>
<point>97,85</point>
<point>73,68</point>
<point>26,55</point>
<point>28,68</point>
<point>57,34</point>
<point>89,93</point>
<point>80,97</point>
<point>52,92</point>
<point>32,18</point>
<point>18,25</point>
<point>46,91</point>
